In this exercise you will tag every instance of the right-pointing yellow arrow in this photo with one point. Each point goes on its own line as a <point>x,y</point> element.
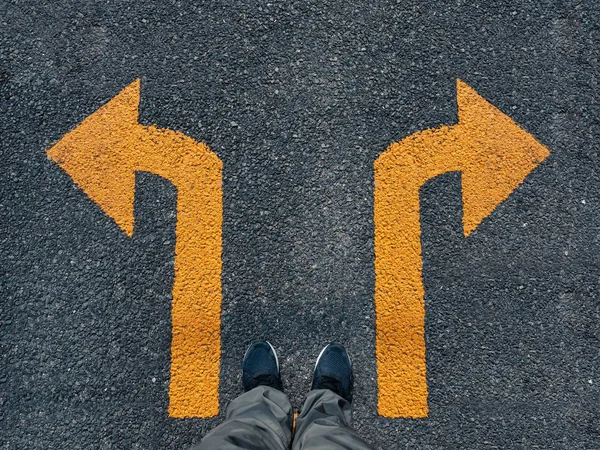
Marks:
<point>494,155</point>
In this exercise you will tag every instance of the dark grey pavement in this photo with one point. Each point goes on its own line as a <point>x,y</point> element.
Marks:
<point>298,99</point>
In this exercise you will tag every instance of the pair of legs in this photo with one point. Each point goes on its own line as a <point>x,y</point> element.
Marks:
<point>262,417</point>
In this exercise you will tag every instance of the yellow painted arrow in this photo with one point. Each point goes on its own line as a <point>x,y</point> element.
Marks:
<point>494,155</point>
<point>102,155</point>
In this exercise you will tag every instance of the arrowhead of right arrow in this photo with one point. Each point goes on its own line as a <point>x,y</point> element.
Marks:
<point>500,155</point>
<point>98,155</point>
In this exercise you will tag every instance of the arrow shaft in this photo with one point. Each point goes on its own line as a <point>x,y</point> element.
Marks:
<point>399,304</point>
<point>399,294</point>
<point>196,307</point>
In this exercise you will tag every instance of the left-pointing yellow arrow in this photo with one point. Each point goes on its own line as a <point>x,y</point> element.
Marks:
<point>102,155</point>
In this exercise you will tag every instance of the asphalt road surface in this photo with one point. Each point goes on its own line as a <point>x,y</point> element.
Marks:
<point>298,99</point>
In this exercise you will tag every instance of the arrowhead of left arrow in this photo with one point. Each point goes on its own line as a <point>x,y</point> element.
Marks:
<point>95,154</point>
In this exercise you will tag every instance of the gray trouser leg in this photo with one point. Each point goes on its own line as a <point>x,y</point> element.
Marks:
<point>260,419</point>
<point>324,424</point>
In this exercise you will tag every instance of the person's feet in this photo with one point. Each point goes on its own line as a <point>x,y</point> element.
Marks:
<point>261,367</point>
<point>333,371</point>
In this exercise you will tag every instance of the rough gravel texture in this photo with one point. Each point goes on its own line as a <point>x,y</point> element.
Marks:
<point>298,99</point>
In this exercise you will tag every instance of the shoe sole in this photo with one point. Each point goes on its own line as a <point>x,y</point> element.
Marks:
<point>275,353</point>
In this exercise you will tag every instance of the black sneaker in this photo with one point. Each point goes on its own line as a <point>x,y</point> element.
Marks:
<point>333,371</point>
<point>261,367</point>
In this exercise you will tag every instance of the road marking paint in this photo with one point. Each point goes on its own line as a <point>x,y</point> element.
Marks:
<point>102,155</point>
<point>494,155</point>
